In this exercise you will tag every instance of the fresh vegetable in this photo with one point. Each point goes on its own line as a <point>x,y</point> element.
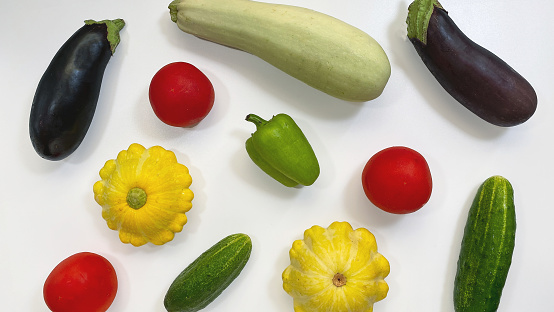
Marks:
<point>397,180</point>
<point>144,194</point>
<point>474,76</point>
<point>84,282</point>
<point>67,94</point>
<point>337,269</point>
<point>345,63</point>
<point>487,248</point>
<point>209,275</point>
<point>181,95</point>
<point>282,151</point>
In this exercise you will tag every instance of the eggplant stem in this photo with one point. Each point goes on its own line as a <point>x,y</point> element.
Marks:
<point>419,14</point>
<point>114,27</point>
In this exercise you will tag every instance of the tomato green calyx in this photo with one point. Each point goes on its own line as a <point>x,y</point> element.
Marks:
<point>339,280</point>
<point>136,198</point>
<point>419,13</point>
<point>257,120</point>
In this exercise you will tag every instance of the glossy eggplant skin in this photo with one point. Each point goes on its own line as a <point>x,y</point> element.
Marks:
<point>67,94</point>
<point>474,76</point>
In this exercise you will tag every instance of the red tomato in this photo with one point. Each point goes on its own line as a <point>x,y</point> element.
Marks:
<point>397,180</point>
<point>84,282</point>
<point>181,95</point>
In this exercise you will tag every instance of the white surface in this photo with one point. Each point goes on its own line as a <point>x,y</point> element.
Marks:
<point>47,210</point>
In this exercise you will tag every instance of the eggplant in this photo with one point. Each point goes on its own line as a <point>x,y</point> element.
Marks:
<point>471,74</point>
<point>67,93</point>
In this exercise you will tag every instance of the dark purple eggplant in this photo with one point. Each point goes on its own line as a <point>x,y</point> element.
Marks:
<point>67,94</point>
<point>471,74</point>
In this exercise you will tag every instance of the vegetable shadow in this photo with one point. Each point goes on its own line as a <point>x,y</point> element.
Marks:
<point>122,297</point>
<point>246,170</point>
<point>403,55</point>
<point>275,288</point>
<point>361,208</point>
<point>156,129</point>
<point>450,274</point>
<point>275,82</point>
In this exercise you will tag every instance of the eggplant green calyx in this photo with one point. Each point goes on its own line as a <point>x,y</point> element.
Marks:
<point>114,27</point>
<point>419,14</point>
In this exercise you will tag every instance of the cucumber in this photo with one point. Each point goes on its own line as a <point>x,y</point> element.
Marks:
<point>322,51</point>
<point>207,276</point>
<point>487,248</point>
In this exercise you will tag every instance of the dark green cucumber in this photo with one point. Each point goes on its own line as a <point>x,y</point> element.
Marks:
<point>487,248</point>
<point>211,273</point>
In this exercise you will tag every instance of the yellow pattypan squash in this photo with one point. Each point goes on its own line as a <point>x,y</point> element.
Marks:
<point>337,269</point>
<point>144,195</point>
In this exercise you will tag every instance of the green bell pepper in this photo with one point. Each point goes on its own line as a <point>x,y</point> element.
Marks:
<point>282,151</point>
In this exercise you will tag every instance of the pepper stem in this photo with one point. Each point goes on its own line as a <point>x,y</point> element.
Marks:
<point>136,198</point>
<point>339,280</point>
<point>419,14</point>
<point>257,120</point>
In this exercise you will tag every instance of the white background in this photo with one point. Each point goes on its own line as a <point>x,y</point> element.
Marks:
<point>47,210</point>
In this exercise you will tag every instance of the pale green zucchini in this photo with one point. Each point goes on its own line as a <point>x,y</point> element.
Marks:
<point>322,51</point>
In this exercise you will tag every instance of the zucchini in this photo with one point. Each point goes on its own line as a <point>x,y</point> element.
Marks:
<point>323,52</point>
<point>471,74</point>
<point>207,276</point>
<point>67,94</point>
<point>487,248</point>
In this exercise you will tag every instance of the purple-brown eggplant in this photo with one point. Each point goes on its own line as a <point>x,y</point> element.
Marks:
<point>474,76</point>
<point>67,94</point>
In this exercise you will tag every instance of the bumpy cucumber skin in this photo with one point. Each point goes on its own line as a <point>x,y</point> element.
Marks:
<point>322,51</point>
<point>211,273</point>
<point>487,248</point>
